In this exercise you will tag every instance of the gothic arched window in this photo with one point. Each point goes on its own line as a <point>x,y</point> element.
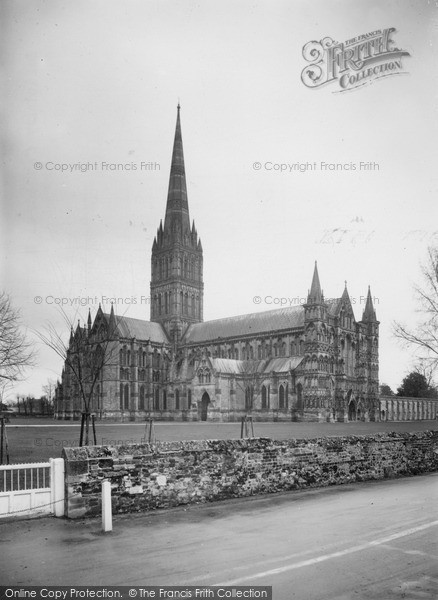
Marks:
<point>281,397</point>
<point>264,398</point>
<point>141,398</point>
<point>204,376</point>
<point>123,356</point>
<point>248,397</point>
<point>126,397</point>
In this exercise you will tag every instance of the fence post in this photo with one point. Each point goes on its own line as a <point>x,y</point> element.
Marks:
<point>107,517</point>
<point>57,485</point>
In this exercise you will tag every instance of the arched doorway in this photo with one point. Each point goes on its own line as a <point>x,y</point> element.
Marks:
<point>352,415</point>
<point>205,401</point>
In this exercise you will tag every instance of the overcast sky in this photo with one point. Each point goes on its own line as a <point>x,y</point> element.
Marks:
<point>98,82</point>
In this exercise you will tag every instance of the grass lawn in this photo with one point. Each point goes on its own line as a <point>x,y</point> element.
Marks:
<point>34,440</point>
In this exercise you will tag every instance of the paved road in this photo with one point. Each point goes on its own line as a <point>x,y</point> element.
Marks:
<point>363,541</point>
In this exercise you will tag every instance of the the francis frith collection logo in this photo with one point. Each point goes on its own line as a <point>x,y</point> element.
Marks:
<point>354,63</point>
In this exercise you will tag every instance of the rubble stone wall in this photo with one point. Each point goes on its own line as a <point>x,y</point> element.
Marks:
<point>145,477</point>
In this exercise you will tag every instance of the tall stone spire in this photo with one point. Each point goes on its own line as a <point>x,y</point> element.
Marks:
<point>345,296</point>
<point>112,325</point>
<point>177,219</point>
<point>369,314</point>
<point>315,294</point>
<point>176,262</point>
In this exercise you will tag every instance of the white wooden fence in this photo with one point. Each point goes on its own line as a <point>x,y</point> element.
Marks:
<point>32,489</point>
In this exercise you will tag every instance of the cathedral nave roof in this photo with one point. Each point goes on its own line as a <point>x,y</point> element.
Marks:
<point>128,327</point>
<point>241,325</point>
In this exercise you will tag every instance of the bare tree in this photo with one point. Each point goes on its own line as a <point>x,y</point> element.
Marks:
<point>425,337</point>
<point>249,382</point>
<point>49,393</point>
<point>25,405</point>
<point>85,356</point>
<point>21,406</point>
<point>5,386</point>
<point>428,370</point>
<point>16,352</point>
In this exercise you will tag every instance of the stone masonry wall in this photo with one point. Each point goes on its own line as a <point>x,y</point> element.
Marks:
<point>399,408</point>
<point>149,476</point>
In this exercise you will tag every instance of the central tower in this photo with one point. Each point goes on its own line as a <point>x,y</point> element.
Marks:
<point>177,286</point>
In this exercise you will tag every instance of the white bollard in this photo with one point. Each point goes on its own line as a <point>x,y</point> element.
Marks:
<point>107,515</point>
<point>57,486</point>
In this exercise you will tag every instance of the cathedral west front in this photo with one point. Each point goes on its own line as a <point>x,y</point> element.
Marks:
<point>310,362</point>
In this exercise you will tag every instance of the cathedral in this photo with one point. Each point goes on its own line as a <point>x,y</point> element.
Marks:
<point>311,362</point>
